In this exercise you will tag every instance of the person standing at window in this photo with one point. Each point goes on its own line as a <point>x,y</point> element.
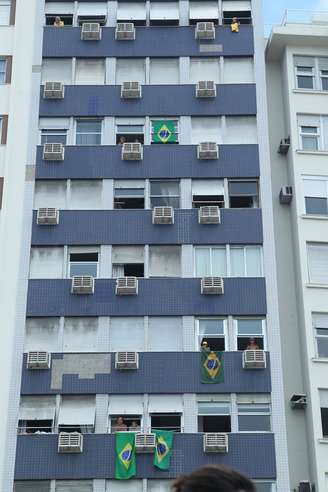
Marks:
<point>58,22</point>
<point>235,25</point>
<point>252,345</point>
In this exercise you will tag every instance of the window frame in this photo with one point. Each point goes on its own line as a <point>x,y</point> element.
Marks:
<point>318,136</point>
<point>61,132</point>
<point>256,198</point>
<point>82,251</point>
<point>7,10</point>
<point>317,75</point>
<point>89,120</point>
<point>211,248</point>
<point>315,178</point>
<point>245,248</point>
<point>254,413</point>
<point>250,334</point>
<point>300,73</point>
<point>318,336</point>
<point>3,71</point>
<point>199,336</point>
<point>150,195</point>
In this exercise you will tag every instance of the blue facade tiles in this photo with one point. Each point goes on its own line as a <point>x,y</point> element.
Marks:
<point>92,162</point>
<point>154,41</point>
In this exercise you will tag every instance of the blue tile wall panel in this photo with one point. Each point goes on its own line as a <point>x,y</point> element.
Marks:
<point>157,100</point>
<point>160,161</point>
<point>161,372</point>
<point>150,41</point>
<point>84,227</point>
<point>37,457</point>
<point>157,297</point>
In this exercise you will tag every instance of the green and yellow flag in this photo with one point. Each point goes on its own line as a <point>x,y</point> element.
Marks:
<point>163,449</point>
<point>164,132</point>
<point>211,367</point>
<point>125,465</point>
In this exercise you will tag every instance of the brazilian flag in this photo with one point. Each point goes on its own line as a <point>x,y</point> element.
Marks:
<point>125,465</point>
<point>164,132</point>
<point>163,449</point>
<point>211,367</point>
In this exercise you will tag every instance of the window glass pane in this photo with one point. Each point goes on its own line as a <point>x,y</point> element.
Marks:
<point>318,263</point>
<point>250,327</point>
<point>204,69</point>
<point>53,136</point>
<point>253,262</point>
<point>159,485</point>
<point>4,12</point>
<point>41,334</point>
<point>253,423</point>
<point>322,343</point>
<point>247,188</point>
<point>127,334</point>
<point>213,408</point>
<point>304,82</point>
<point>203,262</point>
<point>219,262</point>
<point>205,129</point>
<point>88,132</point>
<point>164,193</point>
<point>50,194</point>
<point>238,70</point>
<point>264,487</point>
<point>324,82</point>
<point>2,71</point>
<point>240,130</point>
<point>57,70</point>
<point>211,327</point>
<point>316,206</point>
<point>237,262</point>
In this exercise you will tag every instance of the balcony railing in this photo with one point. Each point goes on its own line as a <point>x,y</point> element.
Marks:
<point>299,16</point>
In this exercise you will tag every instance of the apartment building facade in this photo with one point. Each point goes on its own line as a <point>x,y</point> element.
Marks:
<point>151,232</point>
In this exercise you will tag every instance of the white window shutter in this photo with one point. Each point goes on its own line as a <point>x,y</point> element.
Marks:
<point>318,263</point>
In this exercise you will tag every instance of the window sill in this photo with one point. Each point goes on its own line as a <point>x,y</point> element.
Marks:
<point>309,91</point>
<point>323,360</point>
<point>323,440</point>
<point>313,217</point>
<point>312,152</point>
<point>317,286</point>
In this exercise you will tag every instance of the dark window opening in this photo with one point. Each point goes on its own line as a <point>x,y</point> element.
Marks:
<point>67,19</point>
<point>35,426</point>
<point>130,423</point>
<point>166,421</point>
<point>83,264</point>
<point>129,198</point>
<point>243,194</point>
<point>84,257</point>
<point>193,22</point>
<point>207,200</point>
<point>214,423</point>
<point>324,421</point>
<point>101,19</point>
<point>164,22</point>
<point>214,343</point>
<point>243,342</point>
<point>135,22</point>
<point>244,17</point>
<point>129,134</point>
<point>128,270</point>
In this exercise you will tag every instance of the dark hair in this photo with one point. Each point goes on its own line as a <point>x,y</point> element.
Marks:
<point>213,478</point>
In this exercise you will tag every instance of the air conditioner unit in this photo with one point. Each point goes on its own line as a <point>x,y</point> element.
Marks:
<point>125,31</point>
<point>53,90</point>
<point>53,152</point>
<point>126,360</point>
<point>215,442</point>
<point>38,360</point>
<point>205,30</point>
<point>132,151</point>
<point>212,285</point>
<point>83,285</point>
<point>91,31</point>
<point>70,442</point>
<point>206,88</point>
<point>209,215</point>
<point>254,359</point>
<point>298,401</point>
<point>126,286</point>
<point>208,150</point>
<point>47,216</point>
<point>163,215</point>
<point>145,443</point>
<point>131,90</point>
<point>284,146</point>
<point>286,195</point>
<point>305,486</point>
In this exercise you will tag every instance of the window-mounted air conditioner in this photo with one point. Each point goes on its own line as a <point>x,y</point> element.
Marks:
<point>53,90</point>
<point>209,215</point>
<point>91,31</point>
<point>286,195</point>
<point>254,359</point>
<point>83,285</point>
<point>216,442</point>
<point>284,146</point>
<point>53,152</point>
<point>298,401</point>
<point>212,285</point>
<point>70,442</point>
<point>205,30</point>
<point>126,360</point>
<point>305,486</point>
<point>47,216</point>
<point>208,150</point>
<point>145,443</point>
<point>38,360</point>
<point>132,151</point>
<point>131,90</point>
<point>163,215</point>
<point>206,88</point>
<point>125,31</point>
<point>126,286</point>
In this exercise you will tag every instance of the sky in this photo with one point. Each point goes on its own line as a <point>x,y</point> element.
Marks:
<point>274,9</point>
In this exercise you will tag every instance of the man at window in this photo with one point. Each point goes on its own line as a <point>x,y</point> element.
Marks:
<point>58,22</point>
<point>120,426</point>
<point>205,347</point>
<point>252,345</point>
<point>235,25</point>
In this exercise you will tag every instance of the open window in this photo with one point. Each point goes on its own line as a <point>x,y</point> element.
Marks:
<point>164,131</point>
<point>129,131</point>
<point>63,10</point>
<point>36,414</point>
<point>166,412</point>
<point>128,261</point>
<point>54,130</point>
<point>164,13</point>
<point>214,416</point>
<point>207,192</point>
<point>240,9</point>
<point>83,261</point>
<point>305,72</point>
<point>212,331</point>
<point>77,414</point>
<point>125,413</point>
<point>164,193</point>
<point>41,334</point>
<point>250,333</point>
<point>205,11</point>
<point>92,12</point>
<point>320,325</point>
<point>129,194</point>
<point>80,334</point>
<point>164,261</point>
<point>132,12</point>
<point>126,334</point>
<point>243,194</point>
<point>254,413</point>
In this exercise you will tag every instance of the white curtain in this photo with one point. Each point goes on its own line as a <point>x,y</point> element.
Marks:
<point>77,410</point>
<point>90,72</point>
<point>80,334</point>
<point>130,70</point>
<point>41,334</point>
<point>205,129</point>
<point>131,11</point>
<point>57,70</point>
<point>46,262</point>
<point>164,10</point>
<point>50,194</point>
<point>318,263</point>
<point>165,334</point>
<point>240,130</point>
<point>74,486</point>
<point>125,405</point>
<point>127,334</point>
<point>204,69</point>
<point>86,195</point>
<point>238,70</point>
<point>164,261</point>
<point>164,71</point>
<point>207,9</point>
<point>205,187</point>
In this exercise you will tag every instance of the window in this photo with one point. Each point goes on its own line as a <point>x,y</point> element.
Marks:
<point>240,9</point>
<point>210,261</point>
<point>164,194</point>
<point>313,130</point>
<point>310,137</point>
<point>238,70</point>
<point>264,486</point>
<point>130,69</point>
<point>247,329</point>
<point>90,71</point>
<point>157,485</point>
<point>36,414</point>
<point>164,13</point>
<point>32,486</point>
<point>4,12</point>
<point>165,334</point>
<point>166,421</point>
<point>83,263</point>
<point>127,423</point>
<point>53,136</point>
<point>74,486</point>
<point>92,12</point>
<point>77,414</point>
<point>254,417</point>
<point>318,263</point>
<point>204,69</point>
<point>64,11</point>
<point>50,194</point>
<point>86,194</point>
<point>323,71</point>
<point>316,195</point>
<point>243,194</point>
<point>246,261</point>
<point>320,325</point>
<point>212,331</point>
<point>240,130</point>
<point>41,334</point>
<point>88,132</point>
<point>125,413</point>
<point>164,261</point>
<point>132,12</point>
<point>164,71</point>
<point>203,11</point>
<point>304,67</point>
<point>164,131</point>
<point>205,129</point>
<point>128,261</point>
<point>129,132</point>
<point>207,192</point>
<point>129,194</point>
<point>166,412</point>
<point>46,262</point>
<point>127,334</point>
<point>57,69</point>
<point>3,64</point>
<point>80,334</point>
<point>324,411</point>
<point>214,416</point>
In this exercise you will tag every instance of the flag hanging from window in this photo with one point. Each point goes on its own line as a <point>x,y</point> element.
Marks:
<point>164,132</point>
<point>163,449</point>
<point>211,367</point>
<point>125,465</point>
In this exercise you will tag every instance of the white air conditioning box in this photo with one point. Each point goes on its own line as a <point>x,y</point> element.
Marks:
<point>205,30</point>
<point>163,215</point>
<point>131,90</point>
<point>216,442</point>
<point>38,360</point>
<point>132,151</point>
<point>126,286</point>
<point>254,359</point>
<point>53,90</point>
<point>208,150</point>
<point>83,285</point>
<point>91,31</point>
<point>53,152</point>
<point>206,88</point>
<point>126,360</point>
<point>145,443</point>
<point>70,442</point>
<point>125,31</point>
<point>47,216</point>
<point>212,285</point>
<point>209,215</point>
